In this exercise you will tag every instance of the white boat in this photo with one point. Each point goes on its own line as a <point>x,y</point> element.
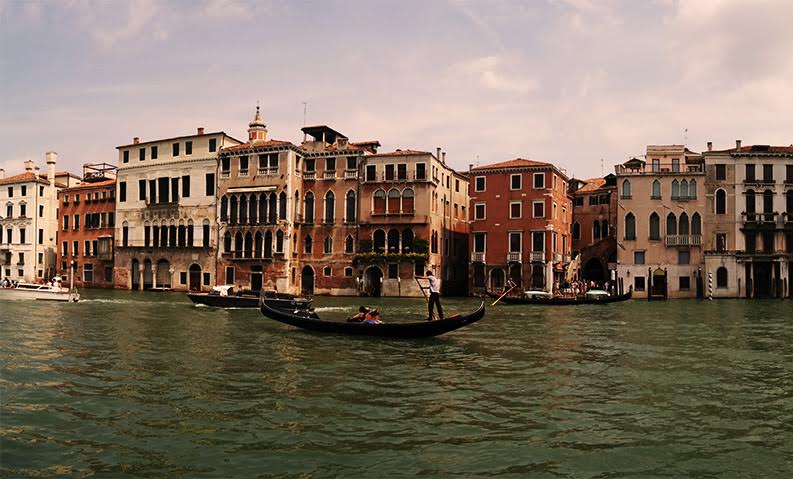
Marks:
<point>41,292</point>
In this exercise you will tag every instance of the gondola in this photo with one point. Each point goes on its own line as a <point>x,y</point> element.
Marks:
<point>423,329</point>
<point>561,300</point>
<point>224,297</point>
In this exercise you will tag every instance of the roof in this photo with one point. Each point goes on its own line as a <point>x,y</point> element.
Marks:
<point>85,186</point>
<point>403,153</point>
<point>516,163</point>
<point>176,138</point>
<point>262,144</point>
<point>784,150</point>
<point>592,184</point>
<point>318,131</point>
<point>24,178</point>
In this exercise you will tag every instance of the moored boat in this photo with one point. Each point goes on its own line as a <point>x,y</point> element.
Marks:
<point>422,329</point>
<point>39,292</point>
<point>591,297</point>
<point>224,296</point>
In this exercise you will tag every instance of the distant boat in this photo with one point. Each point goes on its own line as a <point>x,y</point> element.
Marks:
<point>39,292</point>
<point>422,329</point>
<point>225,296</point>
<point>543,298</point>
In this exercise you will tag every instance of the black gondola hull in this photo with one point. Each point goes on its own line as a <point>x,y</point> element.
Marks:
<point>424,329</point>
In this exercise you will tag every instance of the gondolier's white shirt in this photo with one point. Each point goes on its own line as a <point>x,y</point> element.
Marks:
<point>433,284</point>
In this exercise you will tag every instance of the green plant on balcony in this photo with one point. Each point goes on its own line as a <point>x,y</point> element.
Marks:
<point>421,246</point>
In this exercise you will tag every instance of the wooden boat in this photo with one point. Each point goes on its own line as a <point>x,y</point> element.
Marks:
<point>423,329</point>
<point>563,300</point>
<point>223,296</point>
<point>39,292</point>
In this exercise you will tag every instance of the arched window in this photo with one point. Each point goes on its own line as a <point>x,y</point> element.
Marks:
<point>330,206</point>
<point>272,207</point>
<point>309,208</point>
<point>789,204</point>
<point>596,230</point>
<point>434,242</point>
<point>655,226</point>
<point>393,240</point>
<point>393,201</point>
<point>243,209</point>
<point>630,227</point>
<point>604,228</point>
<point>497,279</point>
<point>682,227</point>
<point>675,190</point>
<point>262,208</point>
<point>253,208</point>
<point>721,202</point>
<point>172,236</point>
<point>297,205</point>
<point>721,277</point>
<point>238,245</point>
<point>379,202</point>
<point>224,208</point>
<point>233,215</point>
<point>692,189</point>
<point>328,245</point>
<point>378,241</point>
<point>282,207</point>
<point>279,241</point>
<point>268,244</point>
<point>227,243</point>
<point>696,224</point>
<point>248,249</point>
<point>407,240</point>
<point>182,236</point>
<point>576,231</point>
<point>768,204</point>
<point>656,192</point>
<point>671,224</point>
<point>349,245</point>
<point>190,233</point>
<point>351,204</point>
<point>408,201</point>
<point>308,245</point>
<point>257,245</point>
<point>626,189</point>
<point>684,189</point>
<point>751,205</point>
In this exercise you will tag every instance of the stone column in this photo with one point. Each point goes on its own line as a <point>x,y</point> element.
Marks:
<point>141,268</point>
<point>154,276</point>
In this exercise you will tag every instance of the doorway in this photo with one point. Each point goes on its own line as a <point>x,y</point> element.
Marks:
<point>307,280</point>
<point>762,280</point>
<point>256,277</point>
<point>135,274</point>
<point>194,282</point>
<point>373,281</point>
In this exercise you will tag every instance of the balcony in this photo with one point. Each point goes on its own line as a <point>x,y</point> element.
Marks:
<point>267,171</point>
<point>514,257</point>
<point>478,257</point>
<point>683,240</point>
<point>760,220</point>
<point>243,174</point>
<point>759,182</point>
<point>351,174</point>
<point>329,175</point>
<point>538,256</point>
<point>225,174</point>
<point>310,175</point>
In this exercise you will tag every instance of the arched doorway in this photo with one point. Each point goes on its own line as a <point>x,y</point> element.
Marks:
<point>148,278</point>
<point>373,281</point>
<point>593,270</point>
<point>659,283</point>
<point>307,280</point>
<point>134,273</point>
<point>516,274</point>
<point>194,282</point>
<point>537,277</point>
<point>256,277</point>
<point>497,279</point>
<point>163,274</point>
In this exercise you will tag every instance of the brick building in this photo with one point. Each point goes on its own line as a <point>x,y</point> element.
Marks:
<point>594,226</point>
<point>86,219</point>
<point>520,222</point>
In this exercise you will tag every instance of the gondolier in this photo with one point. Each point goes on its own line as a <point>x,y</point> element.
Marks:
<point>435,296</point>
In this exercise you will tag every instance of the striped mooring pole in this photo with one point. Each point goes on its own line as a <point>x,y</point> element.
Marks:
<point>710,285</point>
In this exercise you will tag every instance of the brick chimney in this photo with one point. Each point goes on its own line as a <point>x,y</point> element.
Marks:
<point>200,130</point>
<point>710,146</point>
<point>438,152</point>
<point>136,140</point>
<point>737,143</point>
<point>29,166</point>
<point>444,157</point>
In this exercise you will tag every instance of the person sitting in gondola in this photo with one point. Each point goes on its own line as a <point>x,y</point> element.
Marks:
<point>372,317</point>
<point>360,315</point>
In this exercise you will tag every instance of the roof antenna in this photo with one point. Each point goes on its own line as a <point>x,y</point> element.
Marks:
<point>685,137</point>
<point>601,167</point>
<point>305,108</point>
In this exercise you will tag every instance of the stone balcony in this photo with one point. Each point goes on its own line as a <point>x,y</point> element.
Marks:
<point>478,257</point>
<point>537,256</point>
<point>514,257</point>
<point>683,240</point>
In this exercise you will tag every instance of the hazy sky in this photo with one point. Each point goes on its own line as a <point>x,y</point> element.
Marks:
<point>564,81</point>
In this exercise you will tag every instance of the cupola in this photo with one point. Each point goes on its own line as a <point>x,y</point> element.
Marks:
<point>257,130</point>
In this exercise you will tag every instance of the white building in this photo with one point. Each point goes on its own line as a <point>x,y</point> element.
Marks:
<point>29,220</point>
<point>166,215</point>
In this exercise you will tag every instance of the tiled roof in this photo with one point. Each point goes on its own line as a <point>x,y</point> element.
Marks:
<point>263,144</point>
<point>591,184</point>
<point>516,163</point>
<point>404,153</point>
<point>757,149</point>
<point>84,186</point>
<point>24,177</point>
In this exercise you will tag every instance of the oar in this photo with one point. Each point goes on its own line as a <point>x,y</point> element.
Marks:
<point>425,296</point>
<point>505,293</point>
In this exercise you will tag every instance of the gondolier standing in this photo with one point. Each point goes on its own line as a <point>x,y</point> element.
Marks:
<point>435,295</point>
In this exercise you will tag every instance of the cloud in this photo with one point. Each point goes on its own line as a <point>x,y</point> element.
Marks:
<point>493,73</point>
<point>138,20</point>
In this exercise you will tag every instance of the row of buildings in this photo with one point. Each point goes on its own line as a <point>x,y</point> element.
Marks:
<point>334,216</point>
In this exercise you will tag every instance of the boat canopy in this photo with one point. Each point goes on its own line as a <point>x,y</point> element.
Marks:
<point>537,294</point>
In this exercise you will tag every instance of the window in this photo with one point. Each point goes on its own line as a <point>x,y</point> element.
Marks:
<point>186,186</point>
<point>721,172</point>
<point>675,190</point>
<point>348,272</point>
<point>77,222</point>
<point>750,173</point>
<point>515,209</point>
<point>229,274</point>
<point>479,242</point>
<point>175,190</point>
<point>10,213</point>
<point>330,206</point>
<point>75,248</point>
<point>308,245</point>
<point>656,165</point>
<point>576,231</point>
<point>389,172</point>
<point>768,173</point>
<point>23,210</point>
<point>788,173</point>
<point>638,257</point>
<point>141,154</point>
<point>328,245</point>
<point>210,184</point>
<point>86,248</point>
<point>122,191</point>
<point>626,189</point>
<point>676,165</point>
<point>24,190</point>
<point>213,145</point>
<point>721,242</point>
<point>638,283</point>
<point>683,257</point>
<point>188,147</point>
<point>349,245</point>
<point>350,206</point>
<point>65,248</point>
<point>421,171</point>
<point>457,185</point>
<point>721,277</point>
<point>692,190</point>
<point>41,237</point>
<point>154,152</point>
<point>656,192</point>
<point>175,149</point>
<point>479,211</point>
<point>539,181</point>
<point>402,171</point>
<point>393,271</point>
<point>515,242</point>
<point>330,164</point>
<point>142,190</point>
<point>655,227</point>
<point>515,182</point>
<point>479,183</point>
<point>538,209</point>
<point>685,283</point>
<point>243,165</point>
<point>352,163</point>
<point>371,172</point>
<point>630,227</point>
<point>125,156</point>
<point>125,235</point>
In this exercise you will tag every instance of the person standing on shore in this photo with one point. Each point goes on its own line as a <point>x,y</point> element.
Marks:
<point>435,295</point>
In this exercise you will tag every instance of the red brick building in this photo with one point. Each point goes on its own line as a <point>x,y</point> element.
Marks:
<point>593,231</point>
<point>520,222</point>
<point>86,219</point>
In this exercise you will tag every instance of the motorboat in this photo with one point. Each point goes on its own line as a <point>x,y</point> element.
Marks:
<point>227,296</point>
<point>40,292</point>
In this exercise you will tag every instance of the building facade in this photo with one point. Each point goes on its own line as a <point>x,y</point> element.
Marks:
<point>166,214</point>
<point>29,221</point>
<point>749,242</point>
<point>660,221</point>
<point>86,218</point>
<point>593,231</point>
<point>520,215</point>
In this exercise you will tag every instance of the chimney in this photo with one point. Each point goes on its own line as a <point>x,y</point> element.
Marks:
<point>29,165</point>
<point>200,130</point>
<point>135,140</point>
<point>438,152</point>
<point>2,173</point>
<point>737,143</point>
<point>444,157</point>
<point>52,158</point>
<point>710,146</point>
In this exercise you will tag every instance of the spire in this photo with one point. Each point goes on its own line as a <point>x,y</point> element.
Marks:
<point>257,130</point>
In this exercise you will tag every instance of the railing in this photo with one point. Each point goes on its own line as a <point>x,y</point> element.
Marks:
<point>225,174</point>
<point>538,256</point>
<point>243,174</point>
<point>513,257</point>
<point>655,170</point>
<point>478,257</point>
<point>351,174</point>
<point>759,218</point>
<point>683,198</point>
<point>329,175</point>
<point>310,175</point>
<point>683,240</point>
<point>758,181</point>
<point>267,171</point>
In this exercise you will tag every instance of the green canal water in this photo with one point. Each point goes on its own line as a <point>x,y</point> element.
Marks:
<point>148,385</point>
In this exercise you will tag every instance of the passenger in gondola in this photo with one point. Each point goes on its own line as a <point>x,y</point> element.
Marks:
<point>372,317</point>
<point>360,315</point>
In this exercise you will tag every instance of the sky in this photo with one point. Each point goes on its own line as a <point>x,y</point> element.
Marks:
<point>582,84</point>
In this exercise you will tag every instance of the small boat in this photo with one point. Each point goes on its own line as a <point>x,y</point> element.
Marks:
<point>591,297</point>
<point>40,292</point>
<point>423,329</point>
<point>224,296</point>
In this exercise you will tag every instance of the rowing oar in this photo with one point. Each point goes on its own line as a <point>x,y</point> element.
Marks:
<point>425,296</point>
<point>505,293</point>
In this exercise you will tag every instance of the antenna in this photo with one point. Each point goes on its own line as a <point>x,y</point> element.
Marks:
<point>685,137</point>
<point>305,109</point>
<point>601,167</point>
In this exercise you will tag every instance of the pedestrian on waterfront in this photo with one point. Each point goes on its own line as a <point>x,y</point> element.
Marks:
<point>435,295</point>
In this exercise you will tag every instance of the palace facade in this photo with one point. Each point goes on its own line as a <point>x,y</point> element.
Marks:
<point>594,227</point>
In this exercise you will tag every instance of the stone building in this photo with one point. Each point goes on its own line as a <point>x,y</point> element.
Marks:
<point>659,221</point>
<point>166,215</point>
<point>413,219</point>
<point>520,222</point>
<point>594,226</point>
<point>87,223</point>
<point>29,222</point>
<point>749,242</point>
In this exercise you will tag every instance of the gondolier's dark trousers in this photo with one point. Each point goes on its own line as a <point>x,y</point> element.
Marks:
<point>435,299</point>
